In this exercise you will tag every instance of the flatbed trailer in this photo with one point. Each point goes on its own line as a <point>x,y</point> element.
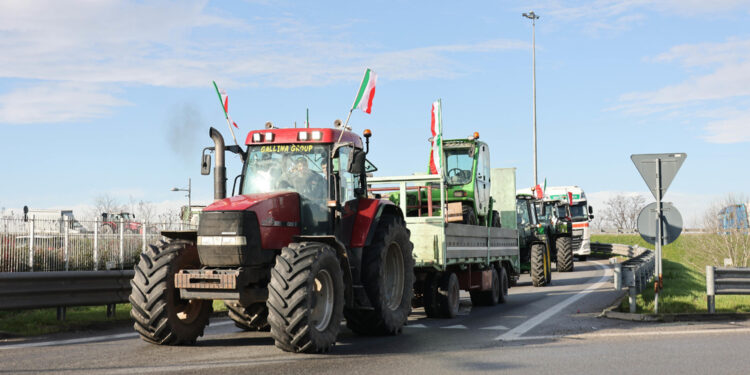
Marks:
<point>450,257</point>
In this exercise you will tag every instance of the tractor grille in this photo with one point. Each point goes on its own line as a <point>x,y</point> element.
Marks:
<point>221,235</point>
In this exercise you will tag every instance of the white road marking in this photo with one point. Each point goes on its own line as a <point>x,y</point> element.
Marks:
<point>84,340</point>
<point>457,326</point>
<point>541,317</point>
<point>418,325</point>
<point>633,334</point>
<point>498,327</point>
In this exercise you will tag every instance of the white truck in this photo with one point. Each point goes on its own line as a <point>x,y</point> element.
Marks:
<point>582,215</point>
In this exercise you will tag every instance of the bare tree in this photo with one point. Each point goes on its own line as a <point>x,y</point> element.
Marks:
<point>105,203</point>
<point>621,211</point>
<point>721,243</point>
<point>145,211</point>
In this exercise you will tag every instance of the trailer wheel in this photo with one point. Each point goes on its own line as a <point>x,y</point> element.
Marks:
<point>503,285</point>
<point>161,316</point>
<point>306,298</point>
<point>448,296</point>
<point>487,297</point>
<point>564,254</point>
<point>388,279</point>
<point>249,318</point>
<point>539,265</point>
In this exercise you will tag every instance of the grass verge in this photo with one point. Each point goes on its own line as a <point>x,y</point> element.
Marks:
<point>44,321</point>
<point>684,276</point>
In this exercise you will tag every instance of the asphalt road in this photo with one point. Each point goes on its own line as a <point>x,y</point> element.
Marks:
<point>554,329</point>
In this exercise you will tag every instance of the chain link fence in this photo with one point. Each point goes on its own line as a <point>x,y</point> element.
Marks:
<point>63,245</point>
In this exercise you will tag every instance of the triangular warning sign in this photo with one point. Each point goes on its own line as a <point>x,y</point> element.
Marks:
<point>646,165</point>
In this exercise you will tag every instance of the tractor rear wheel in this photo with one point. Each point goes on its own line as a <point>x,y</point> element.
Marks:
<point>161,316</point>
<point>388,280</point>
<point>250,318</point>
<point>448,296</point>
<point>539,265</point>
<point>487,297</point>
<point>564,254</point>
<point>306,298</point>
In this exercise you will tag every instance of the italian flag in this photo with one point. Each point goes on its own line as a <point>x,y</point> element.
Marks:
<point>366,92</point>
<point>224,98</point>
<point>436,127</point>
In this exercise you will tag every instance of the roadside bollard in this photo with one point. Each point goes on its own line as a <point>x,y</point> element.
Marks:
<point>618,276</point>
<point>631,299</point>
<point>710,289</point>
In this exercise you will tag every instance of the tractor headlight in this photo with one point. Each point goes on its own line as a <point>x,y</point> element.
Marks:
<point>302,136</point>
<point>257,137</point>
<point>222,240</point>
<point>317,135</point>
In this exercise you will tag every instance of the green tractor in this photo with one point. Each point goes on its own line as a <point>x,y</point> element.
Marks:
<point>533,241</point>
<point>556,218</point>
<point>467,177</point>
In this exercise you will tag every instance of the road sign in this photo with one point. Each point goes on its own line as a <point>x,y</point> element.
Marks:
<point>671,223</point>
<point>646,165</point>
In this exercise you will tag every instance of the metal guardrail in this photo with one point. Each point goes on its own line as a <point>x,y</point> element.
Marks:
<point>634,273</point>
<point>617,249</point>
<point>725,280</point>
<point>34,290</point>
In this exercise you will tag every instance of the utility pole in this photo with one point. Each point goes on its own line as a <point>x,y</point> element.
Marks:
<point>533,17</point>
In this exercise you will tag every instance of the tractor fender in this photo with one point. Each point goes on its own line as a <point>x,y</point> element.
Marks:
<point>187,235</point>
<point>369,213</point>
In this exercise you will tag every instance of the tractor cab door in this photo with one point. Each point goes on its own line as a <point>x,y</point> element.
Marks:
<point>345,185</point>
<point>526,221</point>
<point>482,186</point>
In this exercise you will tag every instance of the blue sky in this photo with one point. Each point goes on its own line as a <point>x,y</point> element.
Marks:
<point>115,97</point>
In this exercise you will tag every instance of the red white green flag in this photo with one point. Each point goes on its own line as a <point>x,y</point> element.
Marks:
<point>366,92</point>
<point>436,127</point>
<point>224,99</point>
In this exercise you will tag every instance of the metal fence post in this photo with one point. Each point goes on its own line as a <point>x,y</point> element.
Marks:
<point>31,245</point>
<point>65,244</point>
<point>711,289</point>
<point>122,244</point>
<point>96,245</point>
<point>144,227</point>
<point>631,299</point>
<point>618,276</point>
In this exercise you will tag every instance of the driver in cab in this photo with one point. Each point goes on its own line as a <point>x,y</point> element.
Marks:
<point>309,183</point>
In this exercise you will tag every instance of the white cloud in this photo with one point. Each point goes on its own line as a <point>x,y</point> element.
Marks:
<point>186,44</point>
<point>723,82</point>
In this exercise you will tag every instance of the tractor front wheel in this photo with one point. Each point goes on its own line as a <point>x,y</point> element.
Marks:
<point>161,316</point>
<point>306,298</point>
<point>388,279</point>
<point>539,265</point>
<point>564,254</point>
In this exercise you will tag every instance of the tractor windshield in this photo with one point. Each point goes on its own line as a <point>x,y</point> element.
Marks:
<point>299,168</point>
<point>459,165</point>
<point>292,167</point>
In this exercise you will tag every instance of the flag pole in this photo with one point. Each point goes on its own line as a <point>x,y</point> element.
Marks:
<point>232,130</point>
<point>226,114</point>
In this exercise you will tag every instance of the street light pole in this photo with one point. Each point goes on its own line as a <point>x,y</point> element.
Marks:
<point>188,190</point>
<point>533,17</point>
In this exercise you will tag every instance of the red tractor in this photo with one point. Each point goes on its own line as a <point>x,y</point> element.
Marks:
<point>111,222</point>
<point>300,248</point>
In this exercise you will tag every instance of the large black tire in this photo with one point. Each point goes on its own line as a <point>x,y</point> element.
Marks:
<point>430,295</point>
<point>496,222</point>
<point>548,258</point>
<point>539,266</point>
<point>488,297</point>
<point>447,301</point>
<point>306,298</point>
<point>564,254</point>
<point>249,318</point>
<point>161,317</point>
<point>388,279</point>
<point>468,215</point>
<point>504,284</point>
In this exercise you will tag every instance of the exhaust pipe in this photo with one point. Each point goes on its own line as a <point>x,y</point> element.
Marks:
<point>220,170</point>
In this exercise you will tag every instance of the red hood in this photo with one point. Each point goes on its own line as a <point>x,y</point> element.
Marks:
<point>245,201</point>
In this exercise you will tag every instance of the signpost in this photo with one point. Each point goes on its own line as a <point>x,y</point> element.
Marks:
<point>658,171</point>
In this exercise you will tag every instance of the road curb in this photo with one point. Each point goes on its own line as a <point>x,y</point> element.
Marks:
<point>610,313</point>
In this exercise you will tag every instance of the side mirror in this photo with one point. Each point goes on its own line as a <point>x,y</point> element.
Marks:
<point>591,210</point>
<point>206,164</point>
<point>356,162</point>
